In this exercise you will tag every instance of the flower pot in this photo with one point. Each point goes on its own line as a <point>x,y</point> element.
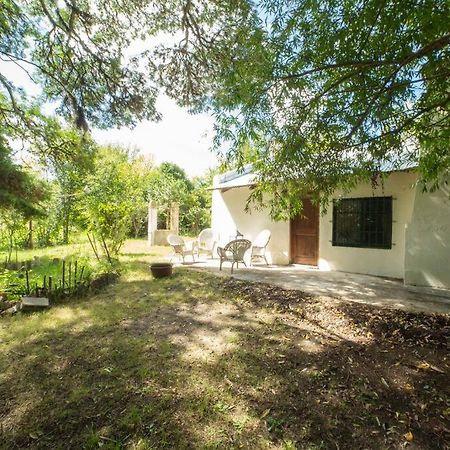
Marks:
<point>160,270</point>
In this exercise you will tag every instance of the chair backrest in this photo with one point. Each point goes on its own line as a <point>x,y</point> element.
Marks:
<point>206,238</point>
<point>173,239</point>
<point>238,247</point>
<point>262,239</point>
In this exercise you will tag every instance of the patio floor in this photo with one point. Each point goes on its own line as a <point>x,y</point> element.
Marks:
<point>348,286</point>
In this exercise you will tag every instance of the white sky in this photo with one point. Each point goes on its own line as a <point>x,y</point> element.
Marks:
<point>180,137</point>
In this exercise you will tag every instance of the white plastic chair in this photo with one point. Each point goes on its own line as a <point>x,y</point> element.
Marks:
<point>259,246</point>
<point>180,247</point>
<point>206,242</point>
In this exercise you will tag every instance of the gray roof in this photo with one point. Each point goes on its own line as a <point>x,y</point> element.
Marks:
<point>246,176</point>
<point>235,178</point>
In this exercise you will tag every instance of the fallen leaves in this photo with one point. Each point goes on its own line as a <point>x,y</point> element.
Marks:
<point>409,436</point>
<point>425,366</point>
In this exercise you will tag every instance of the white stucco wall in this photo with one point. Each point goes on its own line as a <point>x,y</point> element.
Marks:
<point>228,215</point>
<point>420,232</point>
<point>381,262</point>
<point>427,256</point>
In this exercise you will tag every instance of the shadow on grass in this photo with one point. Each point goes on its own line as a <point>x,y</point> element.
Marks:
<point>186,363</point>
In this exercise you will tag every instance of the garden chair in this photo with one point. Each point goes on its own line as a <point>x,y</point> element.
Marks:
<point>259,246</point>
<point>234,252</point>
<point>180,247</point>
<point>206,242</point>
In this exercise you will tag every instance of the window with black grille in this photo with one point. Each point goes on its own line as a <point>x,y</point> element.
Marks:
<point>363,222</point>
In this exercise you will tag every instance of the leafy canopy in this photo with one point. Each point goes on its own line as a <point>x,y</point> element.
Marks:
<point>108,200</point>
<point>325,91</point>
<point>75,51</point>
<point>20,190</point>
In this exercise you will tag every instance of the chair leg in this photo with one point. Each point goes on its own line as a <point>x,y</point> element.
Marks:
<point>232,266</point>
<point>265,259</point>
<point>243,262</point>
<point>220,267</point>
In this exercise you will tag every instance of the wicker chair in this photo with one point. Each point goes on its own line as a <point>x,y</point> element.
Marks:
<point>234,252</point>
<point>259,246</point>
<point>180,247</point>
<point>206,242</point>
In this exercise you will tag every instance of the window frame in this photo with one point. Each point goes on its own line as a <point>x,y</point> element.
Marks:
<point>363,206</point>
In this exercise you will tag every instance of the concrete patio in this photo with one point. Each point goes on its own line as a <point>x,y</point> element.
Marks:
<point>348,286</point>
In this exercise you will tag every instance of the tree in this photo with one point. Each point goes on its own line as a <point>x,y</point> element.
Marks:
<point>166,186</point>
<point>19,190</point>
<point>22,198</point>
<point>168,183</point>
<point>196,211</point>
<point>47,229</point>
<point>70,175</point>
<point>176,172</point>
<point>74,50</point>
<point>107,204</point>
<point>140,173</point>
<point>327,92</point>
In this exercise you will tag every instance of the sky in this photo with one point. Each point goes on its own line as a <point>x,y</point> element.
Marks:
<point>180,137</point>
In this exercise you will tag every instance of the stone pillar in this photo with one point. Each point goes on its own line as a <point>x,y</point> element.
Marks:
<point>174,218</point>
<point>152,221</point>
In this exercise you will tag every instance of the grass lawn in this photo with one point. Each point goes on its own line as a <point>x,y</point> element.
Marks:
<point>48,262</point>
<point>199,361</point>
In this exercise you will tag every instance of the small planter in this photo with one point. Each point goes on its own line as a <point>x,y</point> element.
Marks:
<point>160,270</point>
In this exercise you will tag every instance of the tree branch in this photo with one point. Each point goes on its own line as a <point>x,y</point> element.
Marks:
<point>433,46</point>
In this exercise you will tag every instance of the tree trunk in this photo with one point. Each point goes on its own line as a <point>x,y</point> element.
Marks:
<point>30,235</point>
<point>66,229</point>
<point>136,228</point>
<point>10,246</point>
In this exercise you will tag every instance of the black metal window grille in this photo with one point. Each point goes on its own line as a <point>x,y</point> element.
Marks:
<point>363,222</point>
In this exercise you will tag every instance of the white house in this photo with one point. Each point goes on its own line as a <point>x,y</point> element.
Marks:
<point>394,230</point>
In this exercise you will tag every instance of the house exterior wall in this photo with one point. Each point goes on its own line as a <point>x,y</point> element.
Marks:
<point>420,253</point>
<point>381,262</point>
<point>427,256</point>
<point>228,215</point>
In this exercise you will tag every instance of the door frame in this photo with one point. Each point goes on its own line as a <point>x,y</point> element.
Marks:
<point>291,244</point>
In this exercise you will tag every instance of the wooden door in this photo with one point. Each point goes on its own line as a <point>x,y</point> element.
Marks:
<point>305,235</point>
